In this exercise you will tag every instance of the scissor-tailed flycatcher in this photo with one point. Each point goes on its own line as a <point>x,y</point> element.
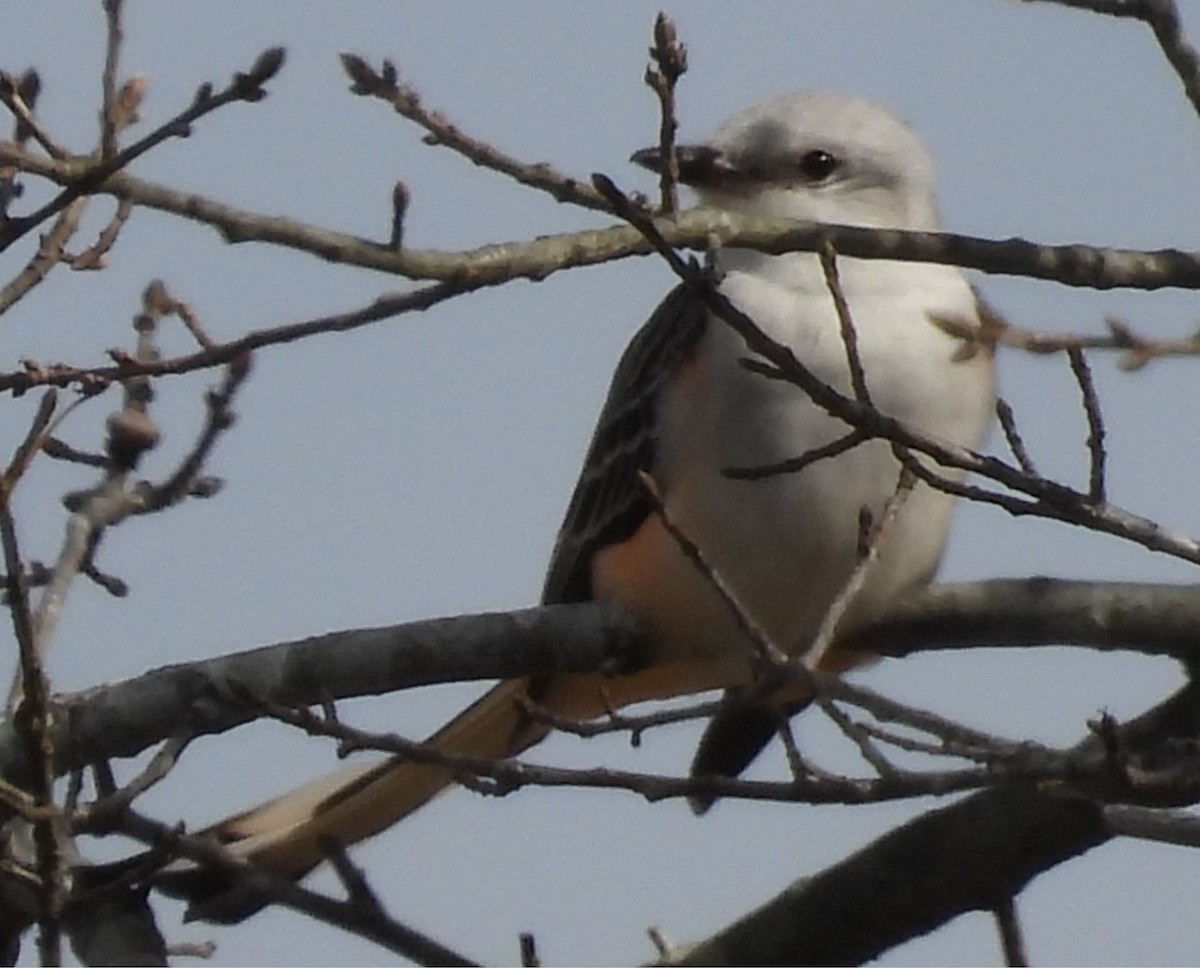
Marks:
<point>682,408</point>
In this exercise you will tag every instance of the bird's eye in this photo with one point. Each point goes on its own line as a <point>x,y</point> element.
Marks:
<point>817,165</point>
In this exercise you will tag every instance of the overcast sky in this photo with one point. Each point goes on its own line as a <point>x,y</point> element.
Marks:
<point>420,467</point>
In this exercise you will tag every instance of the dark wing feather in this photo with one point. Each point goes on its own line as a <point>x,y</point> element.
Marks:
<point>734,737</point>
<point>610,502</point>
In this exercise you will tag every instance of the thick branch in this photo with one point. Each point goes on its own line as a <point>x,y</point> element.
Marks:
<point>1154,619</point>
<point>963,858</point>
<point>123,719</point>
<point>218,694</point>
<point>974,855</point>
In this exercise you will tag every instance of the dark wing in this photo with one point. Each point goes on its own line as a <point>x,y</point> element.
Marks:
<point>736,734</point>
<point>610,502</point>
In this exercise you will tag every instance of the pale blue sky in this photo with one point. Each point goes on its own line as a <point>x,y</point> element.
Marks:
<point>420,467</point>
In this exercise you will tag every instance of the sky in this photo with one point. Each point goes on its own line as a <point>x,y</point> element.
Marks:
<point>420,467</point>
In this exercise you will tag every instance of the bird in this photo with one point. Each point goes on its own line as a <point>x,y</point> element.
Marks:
<point>682,409</point>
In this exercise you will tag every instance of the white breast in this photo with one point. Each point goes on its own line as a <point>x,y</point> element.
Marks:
<point>786,545</point>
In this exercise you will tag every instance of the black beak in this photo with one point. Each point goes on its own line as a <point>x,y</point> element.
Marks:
<point>698,164</point>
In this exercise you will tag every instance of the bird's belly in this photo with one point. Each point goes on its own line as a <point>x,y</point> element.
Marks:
<point>786,545</point>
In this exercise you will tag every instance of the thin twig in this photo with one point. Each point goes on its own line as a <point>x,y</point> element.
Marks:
<point>1016,444</point>
<point>367,924</point>
<point>1163,18</point>
<point>1095,422</point>
<point>19,95</point>
<point>939,748</point>
<point>616,722</point>
<point>876,538</point>
<point>858,379</point>
<point>359,892</point>
<point>670,56</point>
<point>32,715</point>
<point>94,379</point>
<point>949,731</point>
<point>23,804</point>
<point>50,251</point>
<point>385,85</point>
<point>39,427</point>
<point>60,450</point>
<point>858,736</point>
<point>117,800</point>
<point>505,776</point>
<point>767,652</point>
<point>159,303</point>
<point>112,54</point>
<point>192,950</point>
<point>1140,350</point>
<point>93,256</point>
<point>220,419</point>
<point>799,463</point>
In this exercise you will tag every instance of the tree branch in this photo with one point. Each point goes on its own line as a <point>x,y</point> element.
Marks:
<point>1073,265</point>
<point>123,719</point>
<point>967,857</point>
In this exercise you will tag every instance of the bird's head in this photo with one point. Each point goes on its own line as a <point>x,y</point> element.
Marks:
<point>813,156</point>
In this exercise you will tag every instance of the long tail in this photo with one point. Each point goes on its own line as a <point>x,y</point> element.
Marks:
<point>288,835</point>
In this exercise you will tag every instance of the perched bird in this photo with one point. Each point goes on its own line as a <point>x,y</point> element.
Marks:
<point>682,409</point>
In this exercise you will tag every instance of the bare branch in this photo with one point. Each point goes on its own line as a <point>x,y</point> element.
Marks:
<point>876,538</point>
<point>19,95</point>
<point>88,174</point>
<point>29,709</point>
<point>93,256</point>
<point>1072,265</point>
<point>112,803</point>
<point>109,123</point>
<point>957,859</point>
<point>504,776</point>
<point>220,419</point>
<point>1008,424</point>
<point>95,379</point>
<point>50,252</point>
<point>767,652</point>
<point>259,883</point>
<point>858,379</point>
<point>670,56</point>
<point>123,719</point>
<point>1095,422</point>
<point>384,84</point>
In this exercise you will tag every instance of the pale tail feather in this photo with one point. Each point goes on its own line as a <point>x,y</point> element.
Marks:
<point>289,835</point>
<point>286,834</point>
